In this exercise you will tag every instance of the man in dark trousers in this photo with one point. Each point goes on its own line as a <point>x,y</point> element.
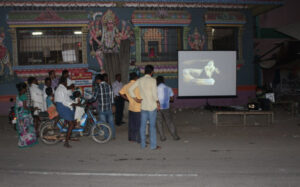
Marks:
<point>164,116</point>
<point>104,93</point>
<point>119,101</point>
<point>134,108</point>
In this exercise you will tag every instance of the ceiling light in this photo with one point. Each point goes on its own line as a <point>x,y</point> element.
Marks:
<point>37,33</point>
<point>77,32</point>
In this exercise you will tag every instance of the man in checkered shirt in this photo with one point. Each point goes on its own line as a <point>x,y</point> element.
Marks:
<point>104,94</point>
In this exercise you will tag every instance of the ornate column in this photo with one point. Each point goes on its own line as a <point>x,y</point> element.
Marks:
<point>84,44</point>
<point>240,45</point>
<point>209,33</point>
<point>14,55</point>
<point>185,37</point>
<point>138,43</point>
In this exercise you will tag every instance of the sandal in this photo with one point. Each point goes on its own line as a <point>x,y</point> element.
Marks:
<point>67,145</point>
<point>157,148</point>
<point>74,139</point>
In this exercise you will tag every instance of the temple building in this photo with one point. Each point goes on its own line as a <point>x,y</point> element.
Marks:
<point>94,36</point>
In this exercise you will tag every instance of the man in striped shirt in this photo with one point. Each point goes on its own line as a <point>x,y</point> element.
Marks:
<point>104,94</point>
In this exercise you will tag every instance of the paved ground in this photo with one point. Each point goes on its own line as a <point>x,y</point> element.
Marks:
<point>204,157</point>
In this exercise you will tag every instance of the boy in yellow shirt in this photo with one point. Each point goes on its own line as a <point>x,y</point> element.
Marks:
<point>134,108</point>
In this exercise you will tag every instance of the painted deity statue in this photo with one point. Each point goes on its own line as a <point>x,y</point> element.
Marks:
<point>96,37</point>
<point>110,32</point>
<point>4,56</point>
<point>105,36</point>
<point>195,40</point>
<point>126,32</point>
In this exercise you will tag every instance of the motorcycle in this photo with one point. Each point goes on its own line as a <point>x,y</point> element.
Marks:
<point>53,132</point>
<point>12,119</point>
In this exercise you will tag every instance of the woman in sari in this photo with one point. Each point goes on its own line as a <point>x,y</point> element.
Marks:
<point>25,127</point>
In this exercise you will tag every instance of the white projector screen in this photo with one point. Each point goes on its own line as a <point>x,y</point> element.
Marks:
<point>206,73</point>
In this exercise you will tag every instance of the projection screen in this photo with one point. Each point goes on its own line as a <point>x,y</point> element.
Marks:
<point>206,73</point>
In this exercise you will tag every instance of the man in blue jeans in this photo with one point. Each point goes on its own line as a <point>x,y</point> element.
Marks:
<point>104,93</point>
<point>149,105</point>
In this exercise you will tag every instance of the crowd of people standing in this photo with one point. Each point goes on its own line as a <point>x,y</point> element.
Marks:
<point>148,99</point>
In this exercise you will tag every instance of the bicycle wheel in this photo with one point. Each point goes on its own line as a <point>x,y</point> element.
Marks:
<point>49,133</point>
<point>101,133</point>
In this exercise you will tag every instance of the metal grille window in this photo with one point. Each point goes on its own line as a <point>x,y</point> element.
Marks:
<point>161,43</point>
<point>41,46</point>
<point>225,38</point>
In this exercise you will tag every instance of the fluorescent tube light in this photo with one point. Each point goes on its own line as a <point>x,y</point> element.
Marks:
<point>37,33</point>
<point>77,32</point>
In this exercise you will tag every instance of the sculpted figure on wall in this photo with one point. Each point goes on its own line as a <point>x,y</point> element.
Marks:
<point>110,32</point>
<point>126,31</point>
<point>105,36</point>
<point>95,29</point>
<point>4,56</point>
<point>196,41</point>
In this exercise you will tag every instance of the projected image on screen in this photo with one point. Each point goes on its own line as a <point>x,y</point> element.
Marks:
<point>207,73</point>
<point>194,75</point>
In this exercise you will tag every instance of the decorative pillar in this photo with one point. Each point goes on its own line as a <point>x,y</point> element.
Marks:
<point>209,33</point>
<point>185,37</point>
<point>240,45</point>
<point>166,40</point>
<point>138,43</point>
<point>84,31</point>
<point>13,35</point>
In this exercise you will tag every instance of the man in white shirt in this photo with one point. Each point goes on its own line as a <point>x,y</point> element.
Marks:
<point>149,105</point>
<point>119,101</point>
<point>64,106</point>
<point>165,95</point>
<point>37,98</point>
<point>61,96</point>
<point>70,83</point>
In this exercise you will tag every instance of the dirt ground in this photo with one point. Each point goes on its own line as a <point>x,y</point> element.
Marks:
<point>205,156</point>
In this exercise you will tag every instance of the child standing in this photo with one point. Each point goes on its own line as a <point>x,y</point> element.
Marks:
<point>79,110</point>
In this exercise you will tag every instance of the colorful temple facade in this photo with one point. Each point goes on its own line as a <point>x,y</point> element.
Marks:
<point>123,36</point>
